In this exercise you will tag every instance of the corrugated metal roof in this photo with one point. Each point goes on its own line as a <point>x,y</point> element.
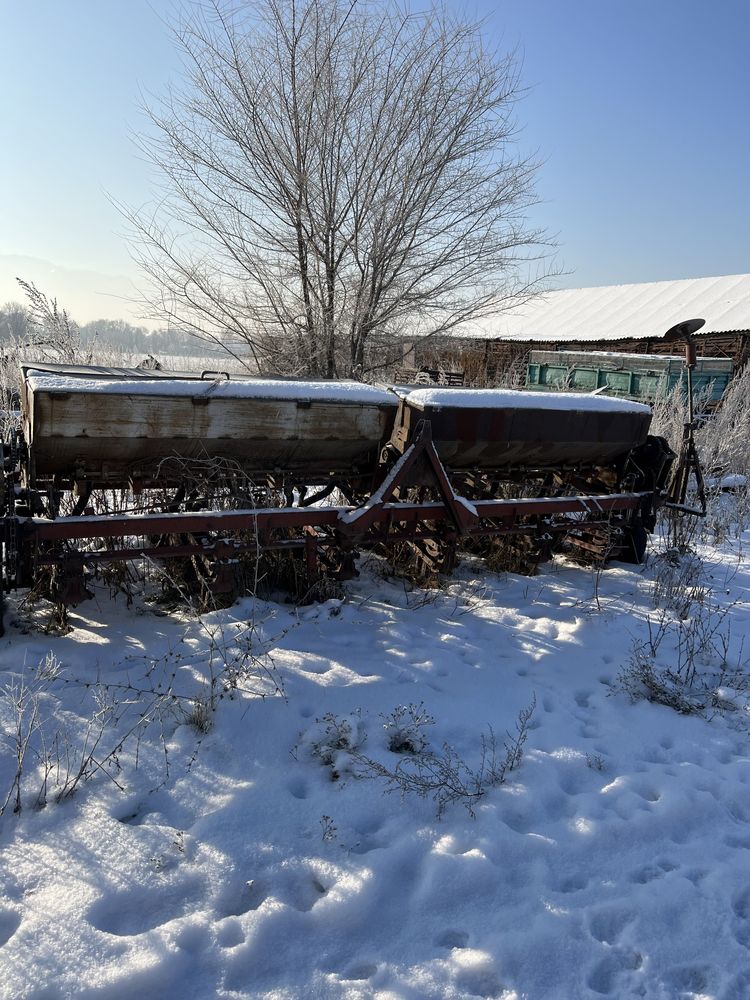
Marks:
<point>613,312</point>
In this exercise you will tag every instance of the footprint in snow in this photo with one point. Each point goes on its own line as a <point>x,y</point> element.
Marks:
<point>582,698</point>
<point>666,865</point>
<point>695,875</point>
<point>689,978</point>
<point>230,934</point>
<point>368,824</point>
<point>297,788</point>
<point>517,823</point>
<point>306,893</point>
<point>573,783</point>
<point>452,939</point>
<point>649,873</point>
<point>739,987</point>
<point>134,816</point>
<point>558,805</point>
<point>360,970</point>
<point>607,925</point>
<point>574,883</point>
<point>708,790</point>
<point>737,810</point>
<point>10,921</point>
<point>647,792</point>
<point>480,980</point>
<point>240,897</point>
<point>365,845</point>
<point>149,814</point>
<point>367,829</point>
<point>607,974</point>
<point>135,911</point>
<point>741,909</point>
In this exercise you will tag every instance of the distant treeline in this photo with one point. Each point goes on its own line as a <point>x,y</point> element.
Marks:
<point>16,324</point>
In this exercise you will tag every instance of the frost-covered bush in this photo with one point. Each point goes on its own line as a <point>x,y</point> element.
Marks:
<point>406,728</point>
<point>441,775</point>
<point>46,754</point>
<point>678,581</point>
<point>688,659</point>
<point>334,741</point>
<point>723,440</point>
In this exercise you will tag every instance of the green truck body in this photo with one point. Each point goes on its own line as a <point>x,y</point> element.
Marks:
<point>642,377</point>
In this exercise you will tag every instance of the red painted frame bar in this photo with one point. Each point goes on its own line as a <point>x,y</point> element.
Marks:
<point>227,550</point>
<point>267,519</point>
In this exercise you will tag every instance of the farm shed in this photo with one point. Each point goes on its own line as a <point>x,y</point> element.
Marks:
<point>630,319</point>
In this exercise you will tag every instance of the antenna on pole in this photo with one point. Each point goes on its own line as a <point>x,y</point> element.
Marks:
<point>688,462</point>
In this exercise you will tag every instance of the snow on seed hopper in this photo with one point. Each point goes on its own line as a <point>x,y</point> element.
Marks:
<point>114,464</point>
<point>98,428</point>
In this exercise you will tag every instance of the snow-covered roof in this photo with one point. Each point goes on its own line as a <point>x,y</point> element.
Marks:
<point>613,312</point>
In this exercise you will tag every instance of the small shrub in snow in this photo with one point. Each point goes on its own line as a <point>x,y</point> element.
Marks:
<point>406,728</point>
<point>678,584</point>
<point>334,741</point>
<point>54,757</point>
<point>728,512</point>
<point>441,775</point>
<point>200,715</point>
<point>49,669</point>
<point>54,752</point>
<point>642,679</point>
<point>687,660</point>
<point>687,665</point>
<point>329,833</point>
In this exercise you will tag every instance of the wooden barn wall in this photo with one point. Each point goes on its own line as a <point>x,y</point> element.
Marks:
<point>489,361</point>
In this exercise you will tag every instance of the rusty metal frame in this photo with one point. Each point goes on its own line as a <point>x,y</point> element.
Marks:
<point>265,520</point>
<point>252,531</point>
<point>384,518</point>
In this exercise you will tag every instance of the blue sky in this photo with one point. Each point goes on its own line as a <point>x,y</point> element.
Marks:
<point>638,109</point>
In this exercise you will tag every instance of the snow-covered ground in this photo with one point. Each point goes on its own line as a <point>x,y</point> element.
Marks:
<point>615,861</point>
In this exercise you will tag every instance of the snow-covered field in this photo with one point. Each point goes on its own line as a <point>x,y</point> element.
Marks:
<point>614,861</point>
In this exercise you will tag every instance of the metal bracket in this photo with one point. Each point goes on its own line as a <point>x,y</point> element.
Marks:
<point>420,455</point>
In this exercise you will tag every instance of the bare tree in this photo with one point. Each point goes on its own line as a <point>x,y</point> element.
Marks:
<point>336,175</point>
<point>14,321</point>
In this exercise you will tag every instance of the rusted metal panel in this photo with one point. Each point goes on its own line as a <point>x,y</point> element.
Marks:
<point>109,438</point>
<point>499,437</point>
